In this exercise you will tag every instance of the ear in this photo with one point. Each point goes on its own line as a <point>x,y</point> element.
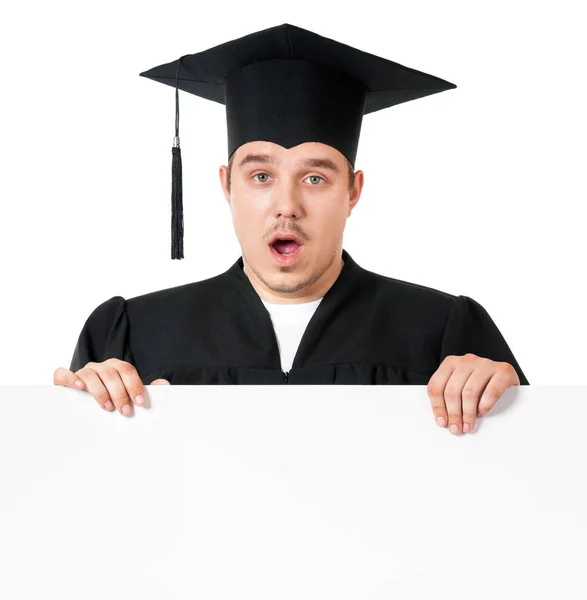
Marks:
<point>356,193</point>
<point>223,175</point>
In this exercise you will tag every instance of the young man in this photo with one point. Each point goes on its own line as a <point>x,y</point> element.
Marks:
<point>295,308</point>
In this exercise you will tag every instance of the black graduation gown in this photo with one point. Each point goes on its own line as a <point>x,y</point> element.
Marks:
<point>369,329</point>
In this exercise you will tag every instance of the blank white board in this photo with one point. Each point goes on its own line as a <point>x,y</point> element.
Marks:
<point>289,492</point>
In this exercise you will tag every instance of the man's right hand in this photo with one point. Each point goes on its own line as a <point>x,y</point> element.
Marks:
<point>113,383</point>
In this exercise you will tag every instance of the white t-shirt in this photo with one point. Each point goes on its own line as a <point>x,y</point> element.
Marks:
<point>290,322</point>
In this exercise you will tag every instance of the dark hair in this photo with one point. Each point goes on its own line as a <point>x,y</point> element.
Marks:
<point>351,174</point>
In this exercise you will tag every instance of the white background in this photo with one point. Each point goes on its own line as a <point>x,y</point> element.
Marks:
<point>476,191</point>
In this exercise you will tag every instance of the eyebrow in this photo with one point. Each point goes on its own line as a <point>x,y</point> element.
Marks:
<point>323,163</point>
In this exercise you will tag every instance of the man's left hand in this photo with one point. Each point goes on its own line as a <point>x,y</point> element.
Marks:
<point>467,386</point>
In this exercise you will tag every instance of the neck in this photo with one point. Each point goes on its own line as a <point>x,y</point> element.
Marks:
<point>300,289</point>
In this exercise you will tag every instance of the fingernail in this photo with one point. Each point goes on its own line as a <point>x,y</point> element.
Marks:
<point>140,400</point>
<point>454,428</point>
<point>78,383</point>
<point>465,427</point>
<point>108,405</point>
<point>441,421</point>
<point>126,409</point>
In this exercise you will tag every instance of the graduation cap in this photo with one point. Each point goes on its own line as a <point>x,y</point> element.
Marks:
<point>287,85</point>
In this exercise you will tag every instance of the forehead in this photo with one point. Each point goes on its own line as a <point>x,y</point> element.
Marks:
<point>283,155</point>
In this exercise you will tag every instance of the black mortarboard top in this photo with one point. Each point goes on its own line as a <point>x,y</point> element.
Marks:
<point>288,85</point>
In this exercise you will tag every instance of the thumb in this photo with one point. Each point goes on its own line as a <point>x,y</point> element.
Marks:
<point>160,382</point>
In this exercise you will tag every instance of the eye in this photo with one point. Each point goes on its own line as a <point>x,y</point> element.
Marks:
<point>262,174</point>
<point>266,176</point>
<point>315,177</point>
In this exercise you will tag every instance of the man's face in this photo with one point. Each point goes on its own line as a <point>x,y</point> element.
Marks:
<point>276,190</point>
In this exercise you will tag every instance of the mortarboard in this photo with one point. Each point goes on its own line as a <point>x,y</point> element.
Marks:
<point>288,85</point>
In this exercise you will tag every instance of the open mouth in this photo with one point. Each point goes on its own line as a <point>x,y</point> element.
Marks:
<point>286,247</point>
<point>286,252</point>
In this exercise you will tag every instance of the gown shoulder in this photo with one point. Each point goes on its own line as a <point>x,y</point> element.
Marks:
<point>104,335</point>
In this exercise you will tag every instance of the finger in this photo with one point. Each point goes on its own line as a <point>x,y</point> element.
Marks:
<point>112,381</point>
<point>453,396</point>
<point>436,387</point>
<point>131,380</point>
<point>94,385</point>
<point>501,379</point>
<point>160,382</point>
<point>472,390</point>
<point>67,378</point>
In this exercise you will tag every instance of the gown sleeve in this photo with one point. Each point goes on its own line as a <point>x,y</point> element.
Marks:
<point>104,335</point>
<point>469,328</point>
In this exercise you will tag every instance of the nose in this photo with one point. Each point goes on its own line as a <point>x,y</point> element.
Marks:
<point>287,200</point>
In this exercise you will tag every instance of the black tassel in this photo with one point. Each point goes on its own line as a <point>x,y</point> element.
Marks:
<point>176,182</point>
<point>176,203</point>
